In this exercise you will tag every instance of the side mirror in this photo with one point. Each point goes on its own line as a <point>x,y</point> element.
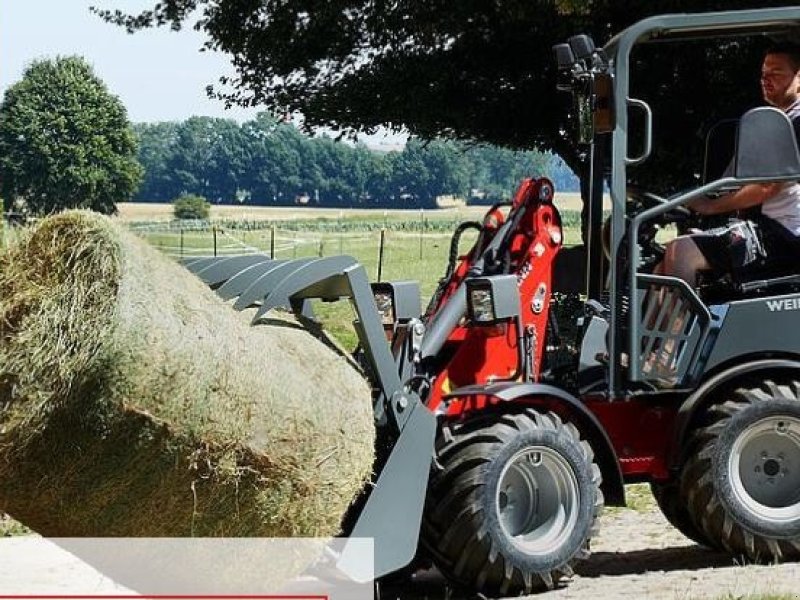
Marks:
<point>766,146</point>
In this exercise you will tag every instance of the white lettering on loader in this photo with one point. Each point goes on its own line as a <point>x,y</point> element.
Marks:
<point>783,304</point>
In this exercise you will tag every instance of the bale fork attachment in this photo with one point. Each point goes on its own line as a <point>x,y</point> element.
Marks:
<point>393,511</point>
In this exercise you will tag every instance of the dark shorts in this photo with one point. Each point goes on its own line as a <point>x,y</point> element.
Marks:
<point>744,245</point>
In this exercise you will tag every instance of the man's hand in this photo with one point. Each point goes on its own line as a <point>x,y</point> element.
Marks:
<point>745,197</point>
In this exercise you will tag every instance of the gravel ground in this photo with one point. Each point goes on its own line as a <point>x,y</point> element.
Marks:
<point>637,554</point>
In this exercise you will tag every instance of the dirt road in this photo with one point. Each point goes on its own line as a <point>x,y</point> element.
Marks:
<point>638,555</point>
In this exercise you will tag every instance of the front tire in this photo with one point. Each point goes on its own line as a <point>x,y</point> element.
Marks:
<point>742,486</point>
<point>515,503</point>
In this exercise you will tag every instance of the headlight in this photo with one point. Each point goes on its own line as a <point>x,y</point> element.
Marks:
<point>397,301</point>
<point>385,303</point>
<point>492,299</point>
<point>482,305</point>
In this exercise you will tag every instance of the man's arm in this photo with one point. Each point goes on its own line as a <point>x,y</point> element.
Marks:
<point>749,195</point>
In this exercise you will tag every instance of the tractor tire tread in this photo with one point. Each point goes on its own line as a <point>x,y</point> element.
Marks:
<point>697,489</point>
<point>459,543</point>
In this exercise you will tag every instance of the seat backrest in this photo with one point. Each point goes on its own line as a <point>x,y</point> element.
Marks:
<point>766,145</point>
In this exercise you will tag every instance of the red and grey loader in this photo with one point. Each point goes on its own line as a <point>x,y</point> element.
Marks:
<point>508,413</point>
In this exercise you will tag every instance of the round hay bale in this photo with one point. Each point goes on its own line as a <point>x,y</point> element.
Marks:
<point>134,402</point>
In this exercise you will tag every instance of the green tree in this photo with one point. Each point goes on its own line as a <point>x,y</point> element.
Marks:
<point>473,70</point>
<point>190,206</point>
<point>65,141</point>
<point>157,143</point>
<point>496,172</point>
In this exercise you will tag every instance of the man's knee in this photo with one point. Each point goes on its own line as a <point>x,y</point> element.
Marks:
<point>684,259</point>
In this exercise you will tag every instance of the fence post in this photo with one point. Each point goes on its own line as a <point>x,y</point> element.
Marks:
<point>214,231</point>
<point>181,242</point>
<point>421,229</point>
<point>380,254</point>
<point>341,234</point>
<point>272,242</point>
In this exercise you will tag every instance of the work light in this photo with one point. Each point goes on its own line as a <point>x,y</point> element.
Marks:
<point>397,301</point>
<point>482,306</point>
<point>565,57</point>
<point>492,299</point>
<point>384,300</point>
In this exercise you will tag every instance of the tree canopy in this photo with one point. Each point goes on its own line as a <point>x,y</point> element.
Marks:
<point>65,141</point>
<point>473,69</point>
<point>267,161</point>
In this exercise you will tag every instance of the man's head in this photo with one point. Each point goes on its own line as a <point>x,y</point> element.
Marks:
<point>780,75</point>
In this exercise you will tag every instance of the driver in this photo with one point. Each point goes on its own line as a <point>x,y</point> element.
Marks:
<point>772,237</point>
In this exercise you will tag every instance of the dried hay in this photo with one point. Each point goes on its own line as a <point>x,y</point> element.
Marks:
<point>133,402</point>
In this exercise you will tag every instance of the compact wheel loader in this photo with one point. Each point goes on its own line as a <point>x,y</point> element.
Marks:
<point>508,414</point>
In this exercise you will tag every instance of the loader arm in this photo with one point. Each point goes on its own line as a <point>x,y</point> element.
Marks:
<point>393,511</point>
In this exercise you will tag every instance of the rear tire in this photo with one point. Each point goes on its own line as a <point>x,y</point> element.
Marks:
<point>742,486</point>
<point>515,503</point>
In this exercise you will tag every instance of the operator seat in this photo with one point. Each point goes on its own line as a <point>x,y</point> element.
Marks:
<point>766,146</point>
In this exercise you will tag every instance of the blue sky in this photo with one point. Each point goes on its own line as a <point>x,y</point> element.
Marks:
<point>160,75</point>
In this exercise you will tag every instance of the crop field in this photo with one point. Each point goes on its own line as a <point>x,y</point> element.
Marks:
<point>147,211</point>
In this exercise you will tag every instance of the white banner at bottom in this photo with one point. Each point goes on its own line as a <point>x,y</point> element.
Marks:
<point>197,568</point>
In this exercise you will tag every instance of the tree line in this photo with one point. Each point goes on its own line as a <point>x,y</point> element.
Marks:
<point>66,142</point>
<point>266,161</point>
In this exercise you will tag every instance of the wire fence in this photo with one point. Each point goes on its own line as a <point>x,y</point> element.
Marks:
<point>389,248</point>
<point>387,253</point>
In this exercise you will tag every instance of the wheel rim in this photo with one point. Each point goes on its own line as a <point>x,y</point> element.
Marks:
<point>537,499</point>
<point>764,468</point>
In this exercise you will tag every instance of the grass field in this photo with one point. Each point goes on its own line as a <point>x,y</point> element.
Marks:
<point>420,257</point>
<point>412,249</point>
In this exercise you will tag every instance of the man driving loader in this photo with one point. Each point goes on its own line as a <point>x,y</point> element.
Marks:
<point>773,237</point>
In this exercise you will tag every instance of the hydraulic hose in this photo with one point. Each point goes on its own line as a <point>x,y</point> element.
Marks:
<point>455,241</point>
